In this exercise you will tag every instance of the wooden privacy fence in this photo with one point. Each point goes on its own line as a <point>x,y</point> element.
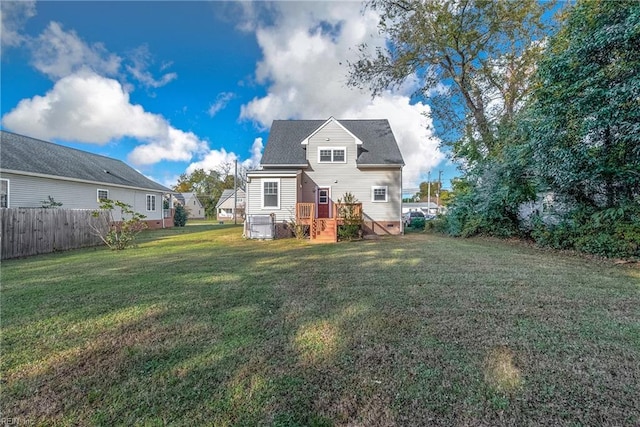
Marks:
<point>27,231</point>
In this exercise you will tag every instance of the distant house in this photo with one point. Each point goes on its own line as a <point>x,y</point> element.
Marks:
<point>309,165</point>
<point>192,205</point>
<point>32,170</point>
<point>226,206</point>
<point>430,208</point>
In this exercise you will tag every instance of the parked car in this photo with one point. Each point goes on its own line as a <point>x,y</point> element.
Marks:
<point>410,216</point>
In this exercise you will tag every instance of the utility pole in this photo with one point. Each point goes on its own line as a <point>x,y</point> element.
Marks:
<point>439,189</point>
<point>428,192</point>
<point>235,193</point>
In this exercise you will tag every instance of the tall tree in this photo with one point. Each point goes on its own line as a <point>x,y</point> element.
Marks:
<point>209,184</point>
<point>473,59</point>
<point>586,115</point>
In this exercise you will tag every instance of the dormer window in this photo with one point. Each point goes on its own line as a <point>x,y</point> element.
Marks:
<point>332,155</point>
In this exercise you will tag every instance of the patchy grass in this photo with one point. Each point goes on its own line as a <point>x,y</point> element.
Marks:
<point>198,326</point>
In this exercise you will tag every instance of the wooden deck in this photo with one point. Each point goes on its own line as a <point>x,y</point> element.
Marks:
<point>325,230</point>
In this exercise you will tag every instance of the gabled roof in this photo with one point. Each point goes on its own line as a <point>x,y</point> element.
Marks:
<point>22,154</point>
<point>187,196</point>
<point>284,148</point>
<point>227,194</point>
<point>332,120</point>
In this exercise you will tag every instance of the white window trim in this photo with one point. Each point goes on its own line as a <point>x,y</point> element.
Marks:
<point>386,193</point>
<point>8,192</point>
<point>155,202</point>
<point>262,182</point>
<point>332,150</point>
<point>98,194</point>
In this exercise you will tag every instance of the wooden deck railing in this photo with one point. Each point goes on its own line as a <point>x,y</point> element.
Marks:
<point>340,210</point>
<point>305,210</point>
<point>305,214</point>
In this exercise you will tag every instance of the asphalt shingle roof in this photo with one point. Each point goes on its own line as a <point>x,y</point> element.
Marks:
<point>22,153</point>
<point>379,146</point>
<point>226,194</point>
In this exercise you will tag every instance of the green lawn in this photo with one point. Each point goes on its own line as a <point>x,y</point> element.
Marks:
<point>198,326</point>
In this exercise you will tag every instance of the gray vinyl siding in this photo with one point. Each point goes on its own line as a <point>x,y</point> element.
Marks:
<point>194,208</point>
<point>287,193</point>
<point>347,177</point>
<point>29,192</point>
<point>230,202</point>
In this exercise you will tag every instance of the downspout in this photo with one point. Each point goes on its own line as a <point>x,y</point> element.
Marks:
<point>401,187</point>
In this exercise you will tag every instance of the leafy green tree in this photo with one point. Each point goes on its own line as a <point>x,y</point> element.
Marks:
<point>208,186</point>
<point>586,112</point>
<point>473,59</point>
<point>180,216</point>
<point>585,128</point>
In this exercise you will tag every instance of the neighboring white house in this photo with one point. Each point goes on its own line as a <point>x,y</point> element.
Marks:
<point>312,164</point>
<point>192,205</point>
<point>32,170</point>
<point>227,204</point>
<point>430,208</point>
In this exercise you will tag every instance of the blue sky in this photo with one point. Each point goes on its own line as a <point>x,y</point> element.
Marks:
<point>173,86</point>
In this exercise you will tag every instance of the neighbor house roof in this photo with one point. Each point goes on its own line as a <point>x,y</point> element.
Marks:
<point>284,146</point>
<point>30,156</point>
<point>227,194</point>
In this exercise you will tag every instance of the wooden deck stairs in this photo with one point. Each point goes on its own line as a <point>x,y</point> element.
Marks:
<point>324,230</point>
<point>321,230</point>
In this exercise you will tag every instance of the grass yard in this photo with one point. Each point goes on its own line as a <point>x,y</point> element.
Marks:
<point>200,327</point>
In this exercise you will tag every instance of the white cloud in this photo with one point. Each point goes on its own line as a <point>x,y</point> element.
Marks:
<point>217,160</point>
<point>86,107</point>
<point>58,53</point>
<point>142,58</point>
<point>221,102</point>
<point>305,54</point>
<point>13,15</point>
<point>256,155</point>
<point>213,160</point>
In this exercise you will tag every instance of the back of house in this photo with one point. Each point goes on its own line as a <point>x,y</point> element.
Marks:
<point>315,163</point>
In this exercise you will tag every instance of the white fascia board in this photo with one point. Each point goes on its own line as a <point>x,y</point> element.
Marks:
<point>274,174</point>
<point>288,165</point>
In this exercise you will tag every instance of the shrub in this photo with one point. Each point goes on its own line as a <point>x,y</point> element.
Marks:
<point>612,232</point>
<point>50,203</point>
<point>117,235</point>
<point>418,223</point>
<point>352,218</point>
<point>180,216</point>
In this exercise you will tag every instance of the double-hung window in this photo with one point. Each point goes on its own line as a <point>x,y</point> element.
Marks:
<point>151,202</point>
<point>4,193</point>
<point>379,193</point>
<point>102,194</point>
<point>332,155</point>
<point>271,193</point>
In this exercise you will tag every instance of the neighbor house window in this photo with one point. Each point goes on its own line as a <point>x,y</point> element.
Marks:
<point>4,193</point>
<point>103,195</point>
<point>271,193</point>
<point>151,202</point>
<point>332,155</point>
<point>379,194</point>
